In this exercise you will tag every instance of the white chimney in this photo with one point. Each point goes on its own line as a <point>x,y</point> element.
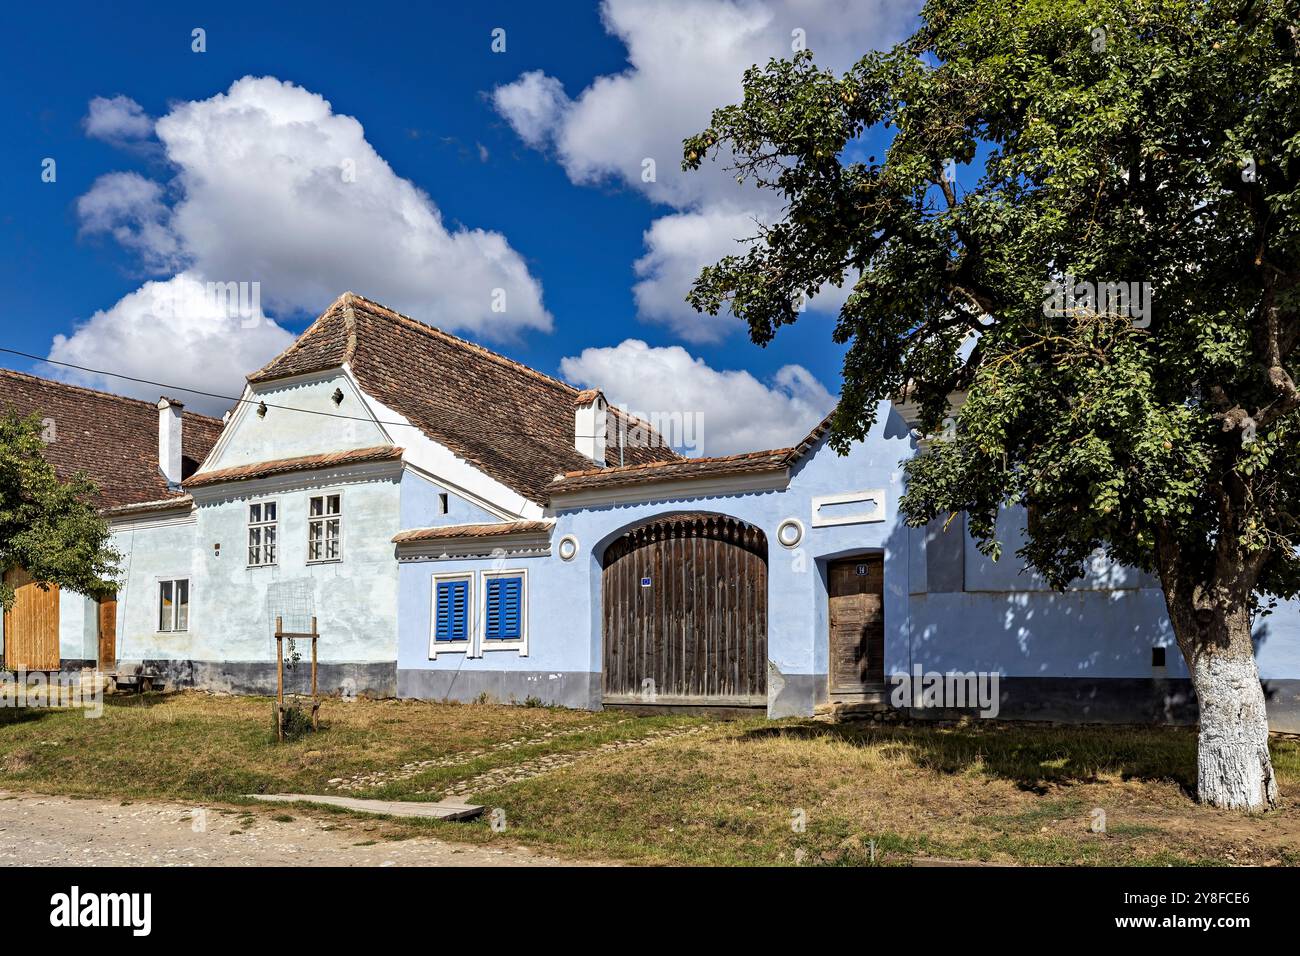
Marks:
<point>169,439</point>
<point>589,421</point>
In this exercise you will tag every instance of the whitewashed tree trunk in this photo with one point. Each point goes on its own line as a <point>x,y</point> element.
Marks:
<point>1234,770</point>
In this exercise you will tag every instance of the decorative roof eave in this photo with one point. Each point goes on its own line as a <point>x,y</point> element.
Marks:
<point>498,539</point>
<point>285,466</point>
<point>682,488</point>
<point>492,529</point>
<point>687,477</point>
<point>178,503</point>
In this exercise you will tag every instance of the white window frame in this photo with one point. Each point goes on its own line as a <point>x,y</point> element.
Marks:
<point>263,525</point>
<point>176,606</point>
<point>325,517</point>
<point>520,645</point>
<point>466,646</point>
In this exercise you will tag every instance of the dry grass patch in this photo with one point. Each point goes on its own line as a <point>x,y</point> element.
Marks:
<point>200,746</point>
<point>999,793</point>
<point>733,793</point>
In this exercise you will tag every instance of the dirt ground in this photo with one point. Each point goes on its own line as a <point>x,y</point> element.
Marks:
<point>57,831</point>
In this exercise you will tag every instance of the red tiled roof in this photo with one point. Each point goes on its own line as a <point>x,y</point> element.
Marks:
<point>488,530</point>
<point>110,438</point>
<point>284,466</point>
<point>510,421</point>
<point>681,470</point>
<point>148,507</point>
<point>684,469</point>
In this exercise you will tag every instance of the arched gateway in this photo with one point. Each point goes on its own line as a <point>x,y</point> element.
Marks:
<point>685,613</point>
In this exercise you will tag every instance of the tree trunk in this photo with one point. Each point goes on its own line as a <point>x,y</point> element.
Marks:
<point>1212,621</point>
<point>1233,767</point>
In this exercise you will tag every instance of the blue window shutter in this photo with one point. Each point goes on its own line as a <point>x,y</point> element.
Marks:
<point>453,611</point>
<point>504,606</point>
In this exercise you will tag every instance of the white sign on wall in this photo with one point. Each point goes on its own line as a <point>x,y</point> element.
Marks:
<point>850,507</point>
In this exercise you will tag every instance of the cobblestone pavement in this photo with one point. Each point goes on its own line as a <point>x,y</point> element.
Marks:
<point>500,776</point>
<point>376,778</point>
<point>59,831</point>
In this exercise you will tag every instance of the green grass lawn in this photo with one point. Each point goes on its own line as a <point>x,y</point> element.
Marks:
<point>797,792</point>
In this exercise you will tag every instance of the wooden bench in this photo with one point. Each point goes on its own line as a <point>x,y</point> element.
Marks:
<point>139,681</point>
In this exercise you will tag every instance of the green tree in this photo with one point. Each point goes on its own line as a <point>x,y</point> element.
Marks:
<point>48,527</point>
<point>1147,141</point>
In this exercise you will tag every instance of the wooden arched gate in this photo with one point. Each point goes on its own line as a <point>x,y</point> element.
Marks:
<point>685,613</point>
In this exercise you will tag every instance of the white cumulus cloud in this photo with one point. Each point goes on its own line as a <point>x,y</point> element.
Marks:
<point>272,186</point>
<point>723,411</point>
<point>117,119</point>
<point>533,105</point>
<point>174,332</point>
<point>685,58</point>
<point>131,209</point>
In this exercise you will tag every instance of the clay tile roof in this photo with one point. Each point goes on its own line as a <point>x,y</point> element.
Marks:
<point>491,530</point>
<point>510,421</point>
<point>684,469</point>
<point>113,440</point>
<point>586,397</point>
<point>284,466</point>
<point>680,470</point>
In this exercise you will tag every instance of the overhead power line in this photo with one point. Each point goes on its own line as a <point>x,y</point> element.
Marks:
<point>239,400</point>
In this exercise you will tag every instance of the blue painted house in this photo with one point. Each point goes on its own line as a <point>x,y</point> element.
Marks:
<point>462,526</point>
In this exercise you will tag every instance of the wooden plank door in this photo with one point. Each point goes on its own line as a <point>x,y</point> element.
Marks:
<point>857,625</point>
<point>685,614</point>
<point>108,632</point>
<point>32,626</point>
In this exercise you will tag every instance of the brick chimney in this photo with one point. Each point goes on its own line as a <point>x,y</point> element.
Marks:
<point>589,422</point>
<point>169,439</point>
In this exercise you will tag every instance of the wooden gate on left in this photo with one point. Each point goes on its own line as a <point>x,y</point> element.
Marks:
<point>107,632</point>
<point>32,626</point>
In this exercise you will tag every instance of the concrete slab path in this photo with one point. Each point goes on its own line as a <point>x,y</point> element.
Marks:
<point>441,810</point>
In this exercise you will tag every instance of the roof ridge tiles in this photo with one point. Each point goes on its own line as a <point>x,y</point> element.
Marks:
<point>98,393</point>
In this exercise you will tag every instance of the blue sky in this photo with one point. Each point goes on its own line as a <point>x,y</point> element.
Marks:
<point>535,154</point>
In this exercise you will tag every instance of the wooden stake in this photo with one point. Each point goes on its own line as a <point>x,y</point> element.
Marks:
<point>279,678</point>
<point>315,704</point>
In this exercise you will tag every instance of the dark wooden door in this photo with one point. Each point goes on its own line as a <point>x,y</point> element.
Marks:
<point>32,625</point>
<point>108,633</point>
<point>857,622</point>
<point>685,614</point>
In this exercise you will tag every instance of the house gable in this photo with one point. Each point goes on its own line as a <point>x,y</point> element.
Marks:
<point>510,422</point>
<point>302,418</point>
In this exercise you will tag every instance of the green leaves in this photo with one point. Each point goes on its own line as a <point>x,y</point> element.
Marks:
<point>1153,142</point>
<point>48,527</point>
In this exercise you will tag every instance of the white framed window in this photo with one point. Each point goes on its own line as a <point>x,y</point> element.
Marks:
<point>451,620</point>
<point>263,534</point>
<point>503,611</point>
<point>174,605</point>
<point>325,528</point>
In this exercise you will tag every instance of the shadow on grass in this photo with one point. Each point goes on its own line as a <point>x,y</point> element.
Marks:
<point>1032,757</point>
<point>151,698</point>
<point>22,715</point>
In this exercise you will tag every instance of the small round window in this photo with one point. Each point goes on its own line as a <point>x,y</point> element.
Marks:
<point>790,532</point>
